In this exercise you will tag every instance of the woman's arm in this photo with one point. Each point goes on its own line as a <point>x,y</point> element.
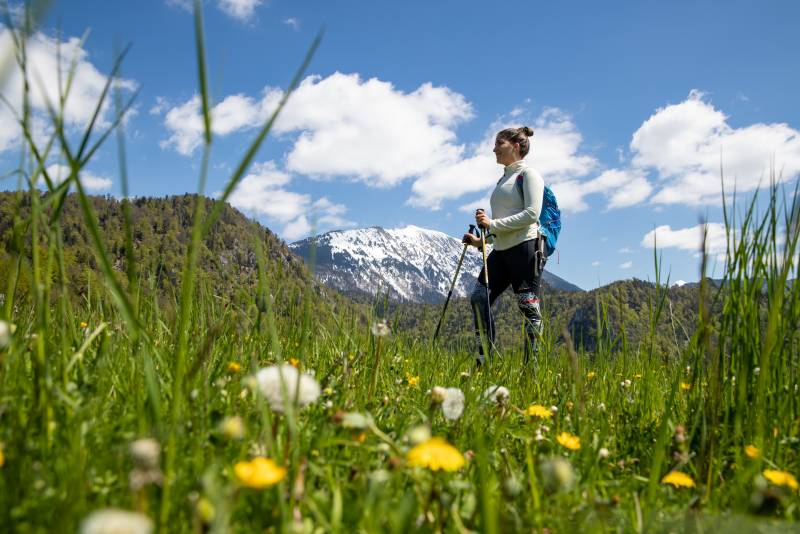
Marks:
<point>532,195</point>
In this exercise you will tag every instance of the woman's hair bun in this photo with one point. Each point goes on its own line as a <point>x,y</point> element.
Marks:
<point>527,131</point>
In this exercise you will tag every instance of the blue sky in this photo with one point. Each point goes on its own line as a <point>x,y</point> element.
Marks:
<point>633,104</point>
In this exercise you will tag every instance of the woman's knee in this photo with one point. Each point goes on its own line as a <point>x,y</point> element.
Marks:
<point>528,303</point>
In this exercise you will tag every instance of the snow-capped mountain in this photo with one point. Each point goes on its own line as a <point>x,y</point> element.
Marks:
<point>417,264</point>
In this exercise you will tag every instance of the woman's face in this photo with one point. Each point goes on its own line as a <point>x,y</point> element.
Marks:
<point>505,151</point>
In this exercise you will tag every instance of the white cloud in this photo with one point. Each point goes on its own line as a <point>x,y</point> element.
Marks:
<point>679,283</point>
<point>292,22</point>
<point>684,144</point>
<point>239,9</point>
<point>43,68</point>
<point>622,188</point>
<point>554,153</point>
<point>689,239</point>
<point>261,192</point>
<point>595,263</point>
<point>625,250</point>
<point>91,182</point>
<point>626,265</point>
<point>366,130</point>
<point>160,106</point>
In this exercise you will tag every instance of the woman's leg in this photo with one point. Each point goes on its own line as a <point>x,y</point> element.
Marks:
<point>526,280</point>
<point>481,302</point>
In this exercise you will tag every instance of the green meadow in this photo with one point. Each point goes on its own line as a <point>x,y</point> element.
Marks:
<point>281,407</point>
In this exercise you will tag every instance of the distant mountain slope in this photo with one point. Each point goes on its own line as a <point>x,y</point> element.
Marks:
<point>417,264</point>
<point>227,260</point>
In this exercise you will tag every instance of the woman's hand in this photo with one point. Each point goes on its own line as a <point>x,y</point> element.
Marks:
<point>482,219</point>
<point>470,239</point>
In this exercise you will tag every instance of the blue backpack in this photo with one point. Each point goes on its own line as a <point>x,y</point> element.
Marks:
<point>549,219</point>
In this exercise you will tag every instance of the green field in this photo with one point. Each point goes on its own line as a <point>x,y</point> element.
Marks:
<point>116,393</point>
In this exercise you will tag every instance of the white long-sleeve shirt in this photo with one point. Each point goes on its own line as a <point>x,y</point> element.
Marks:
<point>515,218</point>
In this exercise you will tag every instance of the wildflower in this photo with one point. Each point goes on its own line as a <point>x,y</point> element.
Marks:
<point>557,474</point>
<point>412,380</point>
<point>781,478</point>
<point>637,376</point>
<point>757,371</point>
<point>294,362</point>
<point>2,456</point>
<point>327,391</point>
<point>603,453</point>
<point>590,375</point>
<point>436,454</point>
<point>625,383</point>
<point>678,480</point>
<point>115,520</point>
<point>234,367</point>
<point>419,434</point>
<point>553,410</point>
<point>601,406</point>
<point>752,451</point>
<point>259,473</point>
<point>685,386</point>
<point>232,427</point>
<point>570,441</point>
<point>6,329</point>
<point>453,404</point>
<point>280,384</point>
<point>438,394</point>
<point>570,405</point>
<point>537,410</point>
<point>380,329</point>
<point>205,510</point>
<point>146,455</point>
<point>84,324</point>
<point>496,394</point>
<point>360,437</point>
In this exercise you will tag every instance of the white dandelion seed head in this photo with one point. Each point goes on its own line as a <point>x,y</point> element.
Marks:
<point>274,380</point>
<point>453,403</point>
<point>553,410</point>
<point>438,394</point>
<point>146,453</point>
<point>496,394</point>
<point>380,329</point>
<point>6,329</point>
<point>757,371</point>
<point>603,453</point>
<point>114,521</point>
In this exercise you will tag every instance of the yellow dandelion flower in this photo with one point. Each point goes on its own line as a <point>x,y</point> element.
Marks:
<point>537,410</point>
<point>436,454</point>
<point>637,376</point>
<point>259,473</point>
<point>294,362</point>
<point>781,478</point>
<point>84,324</point>
<point>360,437</point>
<point>234,367</point>
<point>570,441</point>
<point>752,451</point>
<point>685,386</point>
<point>678,480</point>
<point>412,380</point>
<point>2,457</point>
<point>590,375</point>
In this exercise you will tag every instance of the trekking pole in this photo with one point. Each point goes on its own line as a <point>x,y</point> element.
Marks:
<point>486,281</point>
<point>472,230</point>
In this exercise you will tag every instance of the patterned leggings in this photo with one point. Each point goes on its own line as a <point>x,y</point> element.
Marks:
<point>520,267</point>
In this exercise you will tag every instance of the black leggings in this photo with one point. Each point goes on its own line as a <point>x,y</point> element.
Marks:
<point>520,267</point>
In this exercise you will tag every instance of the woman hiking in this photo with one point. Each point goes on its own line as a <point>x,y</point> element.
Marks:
<point>517,258</point>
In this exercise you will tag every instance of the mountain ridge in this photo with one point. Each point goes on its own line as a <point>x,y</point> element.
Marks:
<point>415,264</point>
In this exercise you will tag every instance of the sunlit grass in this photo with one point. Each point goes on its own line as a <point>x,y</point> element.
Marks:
<point>118,401</point>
